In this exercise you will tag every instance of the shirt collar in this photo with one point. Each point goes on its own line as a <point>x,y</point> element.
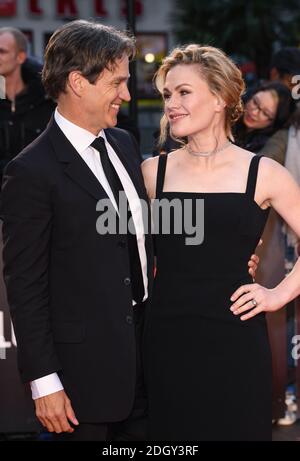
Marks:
<point>80,138</point>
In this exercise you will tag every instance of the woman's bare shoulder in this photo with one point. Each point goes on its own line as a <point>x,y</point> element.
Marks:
<point>149,167</point>
<point>149,170</point>
<point>267,166</point>
<point>265,162</point>
<point>243,154</point>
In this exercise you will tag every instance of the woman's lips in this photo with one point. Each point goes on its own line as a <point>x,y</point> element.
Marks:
<point>174,117</point>
<point>249,118</point>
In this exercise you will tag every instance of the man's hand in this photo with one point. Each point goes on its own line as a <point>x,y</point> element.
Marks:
<point>253,263</point>
<point>54,411</point>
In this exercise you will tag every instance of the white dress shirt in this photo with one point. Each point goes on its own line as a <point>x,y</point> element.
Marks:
<point>81,140</point>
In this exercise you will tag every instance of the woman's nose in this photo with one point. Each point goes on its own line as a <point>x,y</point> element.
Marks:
<point>172,102</point>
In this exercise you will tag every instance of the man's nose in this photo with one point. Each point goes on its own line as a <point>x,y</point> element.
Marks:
<point>125,95</point>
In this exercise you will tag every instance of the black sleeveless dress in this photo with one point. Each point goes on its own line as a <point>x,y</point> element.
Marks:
<point>208,373</point>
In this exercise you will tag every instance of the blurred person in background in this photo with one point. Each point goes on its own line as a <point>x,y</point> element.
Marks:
<point>285,64</point>
<point>268,111</point>
<point>285,68</point>
<point>26,111</point>
<point>264,129</point>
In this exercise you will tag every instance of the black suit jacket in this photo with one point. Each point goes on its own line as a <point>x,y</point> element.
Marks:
<point>67,285</point>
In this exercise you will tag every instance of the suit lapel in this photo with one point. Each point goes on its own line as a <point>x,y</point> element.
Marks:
<point>77,169</point>
<point>75,166</point>
<point>131,170</point>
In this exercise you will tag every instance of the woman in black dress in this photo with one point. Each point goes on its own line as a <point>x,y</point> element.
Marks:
<point>208,363</point>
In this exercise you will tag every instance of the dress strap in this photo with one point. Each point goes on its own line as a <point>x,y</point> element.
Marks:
<point>161,170</point>
<point>252,176</point>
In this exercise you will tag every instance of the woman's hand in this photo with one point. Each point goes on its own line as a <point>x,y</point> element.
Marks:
<point>256,299</point>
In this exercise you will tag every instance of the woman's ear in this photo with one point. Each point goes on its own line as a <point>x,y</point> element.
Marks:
<point>220,104</point>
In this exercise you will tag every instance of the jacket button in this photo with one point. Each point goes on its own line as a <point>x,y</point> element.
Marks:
<point>121,244</point>
<point>129,319</point>
<point>127,281</point>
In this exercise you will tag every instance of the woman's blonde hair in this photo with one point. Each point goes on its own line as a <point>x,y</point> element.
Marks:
<point>223,77</point>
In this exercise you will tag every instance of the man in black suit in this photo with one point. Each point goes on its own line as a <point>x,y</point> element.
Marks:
<point>76,294</point>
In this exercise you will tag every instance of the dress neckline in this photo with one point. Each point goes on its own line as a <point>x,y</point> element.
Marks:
<point>249,193</point>
<point>216,193</point>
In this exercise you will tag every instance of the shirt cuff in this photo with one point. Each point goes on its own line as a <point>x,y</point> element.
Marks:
<point>45,386</point>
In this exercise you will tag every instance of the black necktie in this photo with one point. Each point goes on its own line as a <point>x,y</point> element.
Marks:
<point>116,187</point>
<point>108,168</point>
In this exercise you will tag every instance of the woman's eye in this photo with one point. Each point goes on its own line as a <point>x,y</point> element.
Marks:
<point>166,96</point>
<point>184,92</point>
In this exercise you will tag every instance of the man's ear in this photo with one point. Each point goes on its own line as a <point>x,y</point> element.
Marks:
<point>274,74</point>
<point>76,82</point>
<point>21,57</point>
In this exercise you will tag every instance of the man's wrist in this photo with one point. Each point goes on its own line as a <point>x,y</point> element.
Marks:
<point>46,385</point>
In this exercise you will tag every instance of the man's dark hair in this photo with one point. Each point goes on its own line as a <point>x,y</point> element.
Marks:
<point>84,46</point>
<point>20,39</point>
<point>287,61</point>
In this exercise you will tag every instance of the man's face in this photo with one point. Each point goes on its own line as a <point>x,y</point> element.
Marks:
<point>285,79</point>
<point>101,101</point>
<point>10,57</point>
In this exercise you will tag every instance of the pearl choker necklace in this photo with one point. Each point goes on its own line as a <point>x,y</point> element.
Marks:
<point>208,153</point>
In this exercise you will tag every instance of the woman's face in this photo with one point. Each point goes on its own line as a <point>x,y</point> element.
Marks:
<point>260,110</point>
<point>190,106</point>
